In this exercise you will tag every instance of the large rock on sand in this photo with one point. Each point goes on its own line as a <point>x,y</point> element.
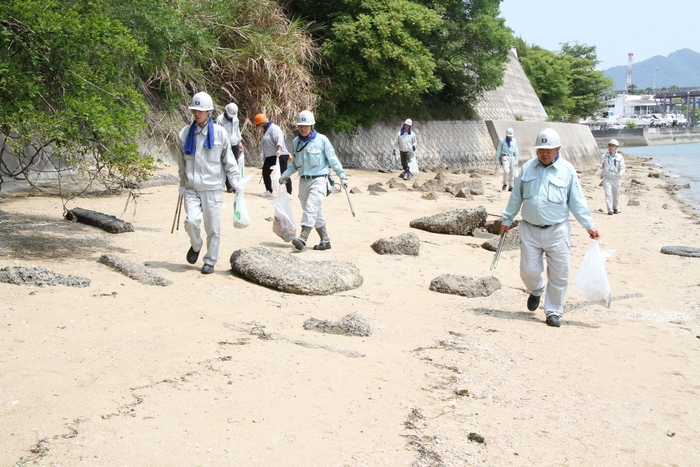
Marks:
<point>512,241</point>
<point>464,285</point>
<point>134,270</point>
<point>289,273</point>
<point>404,244</point>
<point>457,222</point>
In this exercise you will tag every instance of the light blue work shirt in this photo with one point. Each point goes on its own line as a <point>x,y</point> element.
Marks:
<point>547,194</point>
<point>314,158</point>
<point>504,150</point>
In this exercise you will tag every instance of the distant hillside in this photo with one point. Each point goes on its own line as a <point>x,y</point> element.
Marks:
<point>681,68</point>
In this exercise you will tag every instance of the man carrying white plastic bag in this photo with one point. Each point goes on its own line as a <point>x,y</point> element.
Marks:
<point>592,280</point>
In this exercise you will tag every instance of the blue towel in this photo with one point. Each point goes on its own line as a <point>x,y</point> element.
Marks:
<point>191,140</point>
<point>311,136</point>
<point>409,130</point>
<point>508,142</point>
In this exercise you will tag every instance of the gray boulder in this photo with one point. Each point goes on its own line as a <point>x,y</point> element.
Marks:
<point>134,271</point>
<point>376,188</point>
<point>512,241</point>
<point>457,222</point>
<point>20,275</point>
<point>97,219</point>
<point>289,273</point>
<point>349,325</point>
<point>404,244</point>
<point>465,286</point>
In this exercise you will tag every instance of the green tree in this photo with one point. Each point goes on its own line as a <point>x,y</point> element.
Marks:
<point>471,49</point>
<point>565,81</point>
<point>588,85</point>
<point>548,75</point>
<point>66,95</point>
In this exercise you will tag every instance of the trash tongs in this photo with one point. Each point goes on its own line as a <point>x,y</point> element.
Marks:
<point>494,263</point>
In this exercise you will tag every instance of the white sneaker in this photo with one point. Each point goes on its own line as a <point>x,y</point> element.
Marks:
<point>266,194</point>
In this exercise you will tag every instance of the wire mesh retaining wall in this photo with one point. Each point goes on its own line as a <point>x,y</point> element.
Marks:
<point>451,144</point>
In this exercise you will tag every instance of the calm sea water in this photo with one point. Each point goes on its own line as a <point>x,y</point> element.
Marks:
<point>681,162</point>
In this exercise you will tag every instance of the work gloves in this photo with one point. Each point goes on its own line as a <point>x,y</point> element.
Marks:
<point>414,149</point>
<point>283,179</point>
<point>345,182</point>
<point>393,153</point>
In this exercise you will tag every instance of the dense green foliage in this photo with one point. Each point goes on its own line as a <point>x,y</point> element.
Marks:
<point>566,82</point>
<point>65,92</point>
<point>386,59</point>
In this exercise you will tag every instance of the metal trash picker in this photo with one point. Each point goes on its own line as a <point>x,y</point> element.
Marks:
<point>349,202</point>
<point>178,210</point>
<point>494,263</point>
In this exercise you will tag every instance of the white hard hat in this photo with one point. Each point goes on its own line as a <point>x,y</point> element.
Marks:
<point>232,109</point>
<point>614,141</point>
<point>306,118</point>
<point>408,122</point>
<point>548,139</point>
<point>202,101</point>
<point>510,132</point>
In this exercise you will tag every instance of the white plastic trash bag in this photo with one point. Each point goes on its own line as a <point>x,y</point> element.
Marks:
<point>275,176</point>
<point>241,217</point>
<point>241,163</point>
<point>592,280</point>
<point>413,166</point>
<point>283,222</point>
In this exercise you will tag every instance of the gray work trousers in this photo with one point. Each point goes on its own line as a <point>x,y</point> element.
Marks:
<point>204,205</point>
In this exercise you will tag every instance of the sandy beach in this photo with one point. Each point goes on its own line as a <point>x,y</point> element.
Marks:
<point>216,370</point>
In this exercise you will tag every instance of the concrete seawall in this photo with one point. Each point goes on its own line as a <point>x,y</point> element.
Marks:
<point>647,136</point>
<point>459,145</point>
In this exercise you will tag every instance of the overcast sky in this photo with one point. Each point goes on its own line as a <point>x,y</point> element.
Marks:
<point>616,27</point>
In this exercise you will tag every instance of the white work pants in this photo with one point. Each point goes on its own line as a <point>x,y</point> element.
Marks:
<point>204,205</point>
<point>508,163</point>
<point>612,192</point>
<point>554,243</point>
<point>311,194</point>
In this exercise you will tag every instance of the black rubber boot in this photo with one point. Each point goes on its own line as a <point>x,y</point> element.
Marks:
<point>325,241</point>
<point>300,242</point>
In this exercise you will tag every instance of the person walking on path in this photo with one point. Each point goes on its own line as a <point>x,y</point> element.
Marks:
<point>204,161</point>
<point>547,189</point>
<point>407,142</point>
<point>272,148</point>
<point>312,156</point>
<point>612,166</point>
<point>507,157</point>
<point>229,120</point>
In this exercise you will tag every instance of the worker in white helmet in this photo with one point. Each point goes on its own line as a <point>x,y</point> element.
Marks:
<point>312,156</point>
<point>204,161</point>
<point>507,157</point>
<point>229,120</point>
<point>547,189</point>
<point>407,143</point>
<point>611,168</point>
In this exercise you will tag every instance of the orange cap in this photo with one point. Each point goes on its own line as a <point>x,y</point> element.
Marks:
<point>260,118</point>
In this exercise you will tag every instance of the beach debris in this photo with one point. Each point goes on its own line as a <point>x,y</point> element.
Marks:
<point>476,438</point>
<point>404,244</point>
<point>465,286</point>
<point>681,251</point>
<point>376,188</point>
<point>105,222</point>
<point>289,273</point>
<point>349,325</point>
<point>457,222</point>
<point>20,275</point>
<point>134,271</point>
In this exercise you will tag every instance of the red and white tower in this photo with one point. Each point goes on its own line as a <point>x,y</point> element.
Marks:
<point>628,81</point>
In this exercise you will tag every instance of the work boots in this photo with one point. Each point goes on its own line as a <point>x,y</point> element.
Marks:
<point>325,241</point>
<point>300,242</point>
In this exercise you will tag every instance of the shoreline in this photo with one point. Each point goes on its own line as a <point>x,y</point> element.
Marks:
<point>119,373</point>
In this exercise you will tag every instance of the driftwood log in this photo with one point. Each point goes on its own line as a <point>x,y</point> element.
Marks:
<point>105,222</point>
